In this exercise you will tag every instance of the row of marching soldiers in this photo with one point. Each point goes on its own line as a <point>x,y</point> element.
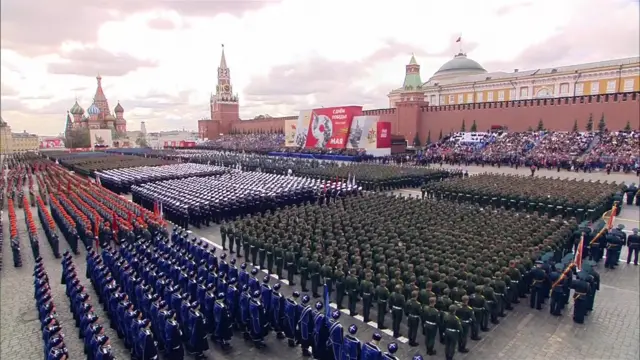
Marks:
<point>52,336</point>
<point>97,345</point>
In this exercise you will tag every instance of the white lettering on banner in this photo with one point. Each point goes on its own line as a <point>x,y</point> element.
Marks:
<point>383,134</point>
<point>339,117</point>
<point>336,141</point>
<point>339,111</point>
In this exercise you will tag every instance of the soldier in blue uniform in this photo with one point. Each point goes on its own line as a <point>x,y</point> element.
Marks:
<point>581,290</point>
<point>103,350</point>
<point>221,286</point>
<point>291,316</point>
<point>558,281</point>
<point>224,322</point>
<point>243,275</point>
<point>370,350</point>
<point>232,271</point>
<point>223,266</point>
<point>232,298</point>
<point>305,325</point>
<point>173,337</point>
<point>351,345</point>
<point>320,332</point>
<point>243,317</point>
<point>198,336</point>
<point>258,320</point>
<point>392,348</point>
<point>208,304</point>
<point>265,290</point>
<point>539,277</point>
<point>185,306</point>
<point>633,244</point>
<point>277,311</point>
<point>145,342</point>
<point>336,334</point>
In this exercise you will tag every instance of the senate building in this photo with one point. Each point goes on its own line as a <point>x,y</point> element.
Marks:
<point>462,80</point>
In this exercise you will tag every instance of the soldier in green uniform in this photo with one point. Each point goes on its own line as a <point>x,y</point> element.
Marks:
<point>479,305</point>
<point>326,273</point>
<point>339,279</point>
<point>255,246</point>
<point>269,251</point>
<point>413,309</point>
<point>246,244</point>
<point>382,296</point>
<point>314,273</point>
<point>303,269</point>
<point>430,319</point>
<point>278,253</point>
<point>223,234</point>
<point>290,264</point>
<point>351,285</point>
<point>492,301</point>
<point>238,238</point>
<point>397,307</point>
<point>465,314</point>
<point>366,292</point>
<point>500,290</point>
<point>452,329</point>
<point>426,294</point>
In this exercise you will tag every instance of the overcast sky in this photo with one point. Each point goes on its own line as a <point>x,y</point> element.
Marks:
<point>159,58</point>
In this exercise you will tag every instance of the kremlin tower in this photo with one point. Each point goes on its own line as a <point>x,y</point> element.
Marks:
<point>98,114</point>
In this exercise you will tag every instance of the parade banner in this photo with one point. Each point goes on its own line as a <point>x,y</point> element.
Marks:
<point>100,138</point>
<point>302,128</point>
<point>51,144</point>
<point>189,144</point>
<point>329,127</point>
<point>383,138</point>
<point>363,133</point>
<point>290,127</point>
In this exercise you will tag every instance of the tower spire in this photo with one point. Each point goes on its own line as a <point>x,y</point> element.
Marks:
<point>223,59</point>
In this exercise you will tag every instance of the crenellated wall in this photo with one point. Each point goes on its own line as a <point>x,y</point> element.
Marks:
<point>555,113</point>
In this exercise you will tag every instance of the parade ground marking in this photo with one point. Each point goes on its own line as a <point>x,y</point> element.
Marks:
<point>629,220</point>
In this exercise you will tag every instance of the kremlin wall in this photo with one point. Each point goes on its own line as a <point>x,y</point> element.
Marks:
<point>463,90</point>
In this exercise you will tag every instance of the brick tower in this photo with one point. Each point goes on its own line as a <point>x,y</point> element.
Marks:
<point>224,104</point>
<point>411,101</point>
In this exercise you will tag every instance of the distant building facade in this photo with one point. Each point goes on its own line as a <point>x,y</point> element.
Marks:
<point>16,142</point>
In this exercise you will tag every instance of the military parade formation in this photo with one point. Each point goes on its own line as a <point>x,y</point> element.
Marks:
<point>427,270</point>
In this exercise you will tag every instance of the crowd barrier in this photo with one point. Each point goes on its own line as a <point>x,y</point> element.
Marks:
<point>317,156</point>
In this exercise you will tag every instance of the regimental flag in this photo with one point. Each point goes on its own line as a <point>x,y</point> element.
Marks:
<point>578,259</point>
<point>612,217</point>
<point>327,308</point>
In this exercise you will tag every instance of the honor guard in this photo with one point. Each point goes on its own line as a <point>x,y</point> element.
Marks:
<point>243,276</point>
<point>224,322</point>
<point>265,291</point>
<point>430,322</point>
<point>145,342</point>
<point>452,329</point>
<point>581,290</point>
<point>366,290</point>
<point>334,348</point>
<point>370,350</point>
<point>254,284</point>
<point>397,308</point>
<point>413,309</point>
<point>633,244</point>
<point>464,313</point>
<point>351,345</point>
<point>232,271</point>
<point>538,277</point>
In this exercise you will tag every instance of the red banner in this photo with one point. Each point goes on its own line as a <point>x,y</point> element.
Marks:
<point>166,144</point>
<point>383,137</point>
<point>329,127</point>
<point>51,144</point>
<point>181,144</point>
<point>189,144</point>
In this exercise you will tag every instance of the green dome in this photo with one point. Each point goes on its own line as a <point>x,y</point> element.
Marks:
<point>77,109</point>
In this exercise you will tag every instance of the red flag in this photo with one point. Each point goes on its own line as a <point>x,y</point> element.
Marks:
<point>612,218</point>
<point>114,221</point>
<point>578,259</point>
<point>459,39</point>
<point>155,208</point>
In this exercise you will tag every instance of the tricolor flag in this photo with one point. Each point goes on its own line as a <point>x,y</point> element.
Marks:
<point>578,259</point>
<point>327,308</point>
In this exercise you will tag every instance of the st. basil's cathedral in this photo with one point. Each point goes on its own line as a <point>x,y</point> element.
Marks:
<point>98,115</point>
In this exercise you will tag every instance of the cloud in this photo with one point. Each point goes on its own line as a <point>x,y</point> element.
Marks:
<point>510,8</point>
<point>93,61</point>
<point>585,37</point>
<point>37,27</point>
<point>7,90</point>
<point>161,24</point>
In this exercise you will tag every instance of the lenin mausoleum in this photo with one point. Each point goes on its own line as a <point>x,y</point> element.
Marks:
<point>462,90</point>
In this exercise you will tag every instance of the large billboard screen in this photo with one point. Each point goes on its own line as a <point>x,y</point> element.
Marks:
<point>329,127</point>
<point>100,138</point>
